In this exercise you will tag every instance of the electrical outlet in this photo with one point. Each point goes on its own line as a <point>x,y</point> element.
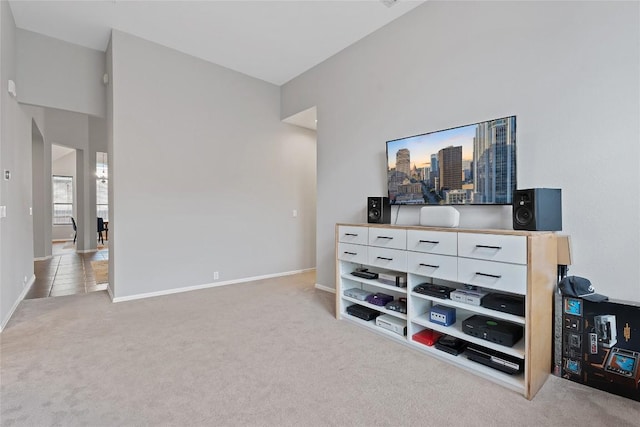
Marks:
<point>216,276</point>
<point>295,213</point>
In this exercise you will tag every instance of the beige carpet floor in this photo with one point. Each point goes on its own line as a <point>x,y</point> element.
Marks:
<point>265,353</point>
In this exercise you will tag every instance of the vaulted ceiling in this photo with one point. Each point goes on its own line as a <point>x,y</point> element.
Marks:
<point>273,41</point>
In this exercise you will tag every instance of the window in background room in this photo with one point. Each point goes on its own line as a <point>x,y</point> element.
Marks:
<point>102,186</point>
<point>62,199</point>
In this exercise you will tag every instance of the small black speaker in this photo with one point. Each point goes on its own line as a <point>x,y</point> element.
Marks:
<point>537,209</point>
<point>378,210</point>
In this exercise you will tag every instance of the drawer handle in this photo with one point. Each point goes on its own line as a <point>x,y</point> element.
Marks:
<point>385,259</point>
<point>429,265</point>
<point>351,234</point>
<point>489,247</point>
<point>434,242</point>
<point>488,275</point>
<point>351,253</point>
<point>385,237</point>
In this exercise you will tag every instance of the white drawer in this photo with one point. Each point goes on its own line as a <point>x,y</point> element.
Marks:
<point>391,259</point>
<point>388,238</point>
<point>434,242</point>
<point>352,253</point>
<point>493,247</point>
<point>353,234</point>
<point>436,266</point>
<point>493,275</point>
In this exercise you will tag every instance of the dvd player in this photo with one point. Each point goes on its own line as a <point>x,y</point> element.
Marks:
<point>494,359</point>
<point>505,303</point>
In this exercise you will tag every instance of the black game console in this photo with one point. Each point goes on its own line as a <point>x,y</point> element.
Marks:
<point>437,291</point>
<point>399,305</point>
<point>494,359</point>
<point>365,274</point>
<point>451,345</point>
<point>494,330</point>
<point>362,312</point>
<point>506,303</point>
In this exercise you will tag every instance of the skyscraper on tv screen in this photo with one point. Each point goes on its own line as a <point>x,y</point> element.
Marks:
<point>494,159</point>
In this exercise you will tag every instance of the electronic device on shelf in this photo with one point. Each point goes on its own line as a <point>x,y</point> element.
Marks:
<point>427,337</point>
<point>511,304</point>
<point>357,293</point>
<point>437,291</point>
<point>399,305</point>
<point>379,298</point>
<point>393,279</point>
<point>494,359</point>
<point>392,323</point>
<point>451,345</point>
<point>362,312</point>
<point>468,296</point>
<point>442,315</point>
<point>365,274</point>
<point>494,330</point>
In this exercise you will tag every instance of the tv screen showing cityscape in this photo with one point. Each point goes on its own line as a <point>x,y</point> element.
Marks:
<point>467,165</point>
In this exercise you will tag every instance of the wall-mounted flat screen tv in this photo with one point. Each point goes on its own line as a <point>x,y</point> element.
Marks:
<point>466,165</point>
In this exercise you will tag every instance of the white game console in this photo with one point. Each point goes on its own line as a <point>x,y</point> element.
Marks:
<point>471,297</point>
<point>392,323</point>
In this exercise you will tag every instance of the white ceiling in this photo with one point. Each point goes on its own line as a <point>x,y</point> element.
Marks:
<point>273,41</point>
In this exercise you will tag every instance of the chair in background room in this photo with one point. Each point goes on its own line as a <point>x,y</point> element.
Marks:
<point>101,228</point>
<point>75,230</point>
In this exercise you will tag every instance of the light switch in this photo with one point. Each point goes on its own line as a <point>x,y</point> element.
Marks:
<point>3,211</point>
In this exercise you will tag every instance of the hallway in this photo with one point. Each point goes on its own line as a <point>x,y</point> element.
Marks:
<point>68,272</point>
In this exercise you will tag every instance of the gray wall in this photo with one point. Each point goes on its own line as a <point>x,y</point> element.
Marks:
<point>72,130</point>
<point>205,175</point>
<point>568,70</point>
<point>16,243</point>
<point>57,74</point>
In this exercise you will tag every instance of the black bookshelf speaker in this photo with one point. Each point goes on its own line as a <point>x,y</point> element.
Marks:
<point>537,209</point>
<point>378,210</point>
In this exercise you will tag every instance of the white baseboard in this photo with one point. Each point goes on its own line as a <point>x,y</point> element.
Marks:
<point>204,286</point>
<point>110,292</point>
<point>87,251</point>
<point>43,258</point>
<point>18,301</point>
<point>325,288</point>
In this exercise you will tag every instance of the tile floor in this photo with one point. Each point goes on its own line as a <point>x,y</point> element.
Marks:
<point>66,272</point>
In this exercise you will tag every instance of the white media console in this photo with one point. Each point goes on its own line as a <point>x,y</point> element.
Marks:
<point>511,262</point>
